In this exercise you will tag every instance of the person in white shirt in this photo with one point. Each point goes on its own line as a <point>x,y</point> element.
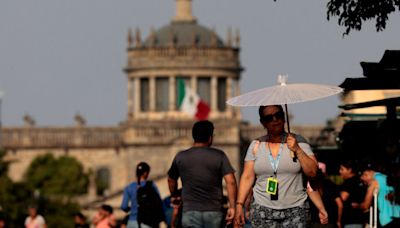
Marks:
<point>34,220</point>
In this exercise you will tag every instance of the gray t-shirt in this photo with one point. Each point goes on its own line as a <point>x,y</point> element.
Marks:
<point>291,191</point>
<point>201,170</point>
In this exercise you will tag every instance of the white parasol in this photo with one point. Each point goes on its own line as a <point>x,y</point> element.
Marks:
<point>284,94</point>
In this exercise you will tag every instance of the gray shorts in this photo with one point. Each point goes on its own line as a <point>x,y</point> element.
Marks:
<point>298,217</point>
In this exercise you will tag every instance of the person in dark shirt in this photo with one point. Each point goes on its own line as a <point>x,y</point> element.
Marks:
<point>330,196</point>
<point>201,169</point>
<point>351,191</point>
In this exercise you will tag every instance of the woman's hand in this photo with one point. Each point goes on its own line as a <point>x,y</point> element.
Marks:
<point>239,216</point>
<point>292,143</point>
<point>323,216</point>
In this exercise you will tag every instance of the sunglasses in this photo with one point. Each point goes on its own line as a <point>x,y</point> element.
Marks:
<point>268,118</point>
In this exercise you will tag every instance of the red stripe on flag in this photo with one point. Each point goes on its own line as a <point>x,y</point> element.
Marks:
<point>202,110</point>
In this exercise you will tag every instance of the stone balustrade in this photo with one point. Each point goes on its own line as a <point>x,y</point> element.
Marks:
<point>183,56</point>
<point>159,133</point>
<point>99,137</point>
<point>67,137</point>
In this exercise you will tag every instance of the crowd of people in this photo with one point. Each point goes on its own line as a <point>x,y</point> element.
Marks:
<point>282,185</point>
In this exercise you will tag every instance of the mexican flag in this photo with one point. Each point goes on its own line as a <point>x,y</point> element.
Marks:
<point>190,102</point>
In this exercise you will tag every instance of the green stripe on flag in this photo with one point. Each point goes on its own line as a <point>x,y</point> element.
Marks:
<point>181,91</point>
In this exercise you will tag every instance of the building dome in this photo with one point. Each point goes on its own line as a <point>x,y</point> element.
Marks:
<point>183,34</point>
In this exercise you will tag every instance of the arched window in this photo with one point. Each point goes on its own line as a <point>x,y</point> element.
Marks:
<point>103,180</point>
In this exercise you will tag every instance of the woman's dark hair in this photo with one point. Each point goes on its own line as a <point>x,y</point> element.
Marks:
<point>202,131</point>
<point>262,107</point>
<point>141,169</point>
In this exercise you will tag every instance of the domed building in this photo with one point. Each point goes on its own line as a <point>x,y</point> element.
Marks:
<point>187,51</point>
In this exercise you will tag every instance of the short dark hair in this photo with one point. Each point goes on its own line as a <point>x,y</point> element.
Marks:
<point>262,107</point>
<point>80,215</point>
<point>202,131</point>
<point>107,208</point>
<point>367,166</point>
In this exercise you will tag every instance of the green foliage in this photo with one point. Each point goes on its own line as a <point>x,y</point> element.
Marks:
<point>14,201</point>
<point>13,197</point>
<point>352,13</point>
<point>3,164</point>
<point>59,214</point>
<point>57,177</point>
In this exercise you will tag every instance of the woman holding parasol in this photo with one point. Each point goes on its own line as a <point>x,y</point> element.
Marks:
<point>276,162</point>
<point>279,195</point>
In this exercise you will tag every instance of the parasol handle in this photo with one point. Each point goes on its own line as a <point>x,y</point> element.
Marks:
<point>292,154</point>
<point>287,118</point>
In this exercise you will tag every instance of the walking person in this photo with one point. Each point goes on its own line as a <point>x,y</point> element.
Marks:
<point>351,191</point>
<point>80,220</point>
<point>280,198</point>
<point>148,194</point>
<point>201,169</point>
<point>34,220</point>
<point>330,201</point>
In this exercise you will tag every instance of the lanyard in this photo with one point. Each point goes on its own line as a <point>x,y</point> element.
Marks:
<point>275,163</point>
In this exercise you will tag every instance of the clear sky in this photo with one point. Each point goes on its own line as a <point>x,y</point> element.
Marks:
<point>58,57</point>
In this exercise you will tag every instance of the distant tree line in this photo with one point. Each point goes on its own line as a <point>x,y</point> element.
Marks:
<point>50,184</point>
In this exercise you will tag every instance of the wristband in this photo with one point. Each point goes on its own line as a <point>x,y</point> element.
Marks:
<point>239,203</point>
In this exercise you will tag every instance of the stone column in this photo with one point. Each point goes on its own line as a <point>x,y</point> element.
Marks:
<point>214,88</point>
<point>172,94</point>
<point>130,98</point>
<point>152,88</point>
<point>193,82</point>
<point>136,90</point>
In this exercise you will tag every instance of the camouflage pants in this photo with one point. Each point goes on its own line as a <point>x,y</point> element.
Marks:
<point>296,217</point>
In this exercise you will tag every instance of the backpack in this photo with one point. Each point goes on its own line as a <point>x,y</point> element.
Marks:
<point>150,208</point>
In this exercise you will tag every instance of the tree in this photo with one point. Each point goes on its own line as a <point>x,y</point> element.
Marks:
<point>352,13</point>
<point>57,177</point>
<point>14,197</point>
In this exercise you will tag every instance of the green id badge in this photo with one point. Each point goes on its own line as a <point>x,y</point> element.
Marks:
<point>272,185</point>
